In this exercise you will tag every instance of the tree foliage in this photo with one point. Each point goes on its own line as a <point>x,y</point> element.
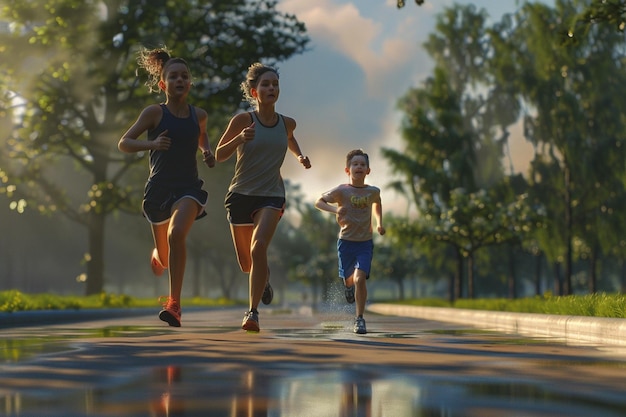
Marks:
<point>71,89</point>
<point>598,12</point>
<point>454,133</point>
<point>567,96</point>
<point>575,121</point>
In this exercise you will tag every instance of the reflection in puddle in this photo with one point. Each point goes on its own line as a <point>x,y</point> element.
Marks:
<point>227,383</point>
<point>31,343</point>
<point>229,390</point>
<point>15,350</point>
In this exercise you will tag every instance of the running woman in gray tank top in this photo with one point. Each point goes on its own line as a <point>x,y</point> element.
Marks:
<point>256,196</point>
<point>173,196</point>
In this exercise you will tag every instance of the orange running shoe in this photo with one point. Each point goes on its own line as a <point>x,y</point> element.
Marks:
<point>171,311</point>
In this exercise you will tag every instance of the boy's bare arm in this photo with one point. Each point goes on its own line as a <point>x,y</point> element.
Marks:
<point>378,216</point>
<point>321,204</point>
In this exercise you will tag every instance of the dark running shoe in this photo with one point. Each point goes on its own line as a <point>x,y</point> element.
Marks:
<point>268,293</point>
<point>251,322</point>
<point>359,325</point>
<point>350,294</point>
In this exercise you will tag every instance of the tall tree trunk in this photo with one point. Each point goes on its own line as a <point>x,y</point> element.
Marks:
<point>569,225</point>
<point>470,276</point>
<point>558,280</point>
<point>401,289</point>
<point>95,257</point>
<point>458,288</point>
<point>593,267</point>
<point>538,262</point>
<point>96,217</point>
<point>314,293</point>
<point>512,284</point>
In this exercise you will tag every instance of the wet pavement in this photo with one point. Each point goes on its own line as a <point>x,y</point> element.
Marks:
<point>300,364</point>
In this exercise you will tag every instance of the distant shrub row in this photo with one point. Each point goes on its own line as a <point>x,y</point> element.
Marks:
<point>591,305</point>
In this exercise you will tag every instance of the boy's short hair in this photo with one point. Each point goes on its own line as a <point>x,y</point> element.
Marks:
<point>357,152</point>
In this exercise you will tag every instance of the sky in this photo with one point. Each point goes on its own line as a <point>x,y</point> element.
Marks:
<point>364,55</point>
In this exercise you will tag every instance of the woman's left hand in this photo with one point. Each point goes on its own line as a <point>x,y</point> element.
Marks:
<point>304,160</point>
<point>208,158</point>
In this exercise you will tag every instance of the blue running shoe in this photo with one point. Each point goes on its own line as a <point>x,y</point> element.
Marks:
<point>350,294</point>
<point>359,325</point>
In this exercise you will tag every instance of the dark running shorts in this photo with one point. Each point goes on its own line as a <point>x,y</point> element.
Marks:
<point>354,255</point>
<point>240,208</point>
<point>159,199</point>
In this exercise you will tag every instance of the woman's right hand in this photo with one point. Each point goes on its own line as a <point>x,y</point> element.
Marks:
<point>162,142</point>
<point>247,134</point>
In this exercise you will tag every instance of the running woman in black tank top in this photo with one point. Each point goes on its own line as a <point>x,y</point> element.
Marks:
<point>173,197</point>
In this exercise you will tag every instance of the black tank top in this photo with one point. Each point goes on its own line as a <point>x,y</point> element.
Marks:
<point>177,165</point>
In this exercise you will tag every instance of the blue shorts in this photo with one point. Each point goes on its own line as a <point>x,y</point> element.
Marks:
<point>354,255</point>
<point>240,208</point>
<point>159,199</point>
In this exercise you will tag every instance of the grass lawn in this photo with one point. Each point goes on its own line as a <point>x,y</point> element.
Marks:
<point>11,301</point>
<point>592,305</point>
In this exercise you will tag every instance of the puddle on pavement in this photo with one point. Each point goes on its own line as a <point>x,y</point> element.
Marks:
<point>286,389</point>
<point>30,343</point>
<point>221,390</point>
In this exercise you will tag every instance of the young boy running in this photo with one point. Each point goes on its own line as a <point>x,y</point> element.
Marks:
<point>353,204</point>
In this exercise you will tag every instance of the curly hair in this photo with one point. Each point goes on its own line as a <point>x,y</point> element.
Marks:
<point>252,80</point>
<point>155,62</point>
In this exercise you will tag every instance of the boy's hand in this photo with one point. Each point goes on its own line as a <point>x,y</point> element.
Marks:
<point>381,230</point>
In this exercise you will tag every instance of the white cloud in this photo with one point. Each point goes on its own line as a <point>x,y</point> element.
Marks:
<point>343,92</point>
<point>365,55</point>
<point>344,29</point>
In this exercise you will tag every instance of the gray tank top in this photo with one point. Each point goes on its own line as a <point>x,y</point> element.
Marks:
<point>257,170</point>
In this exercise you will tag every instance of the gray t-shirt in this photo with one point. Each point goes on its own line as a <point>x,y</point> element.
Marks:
<point>257,170</point>
<point>356,224</point>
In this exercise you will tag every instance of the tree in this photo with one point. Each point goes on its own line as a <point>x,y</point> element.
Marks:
<point>597,12</point>
<point>564,84</point>
<point>71,88</point>
<point>455,131</point>
<point>574,120</point>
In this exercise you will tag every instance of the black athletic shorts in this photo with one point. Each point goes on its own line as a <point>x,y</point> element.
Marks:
<point>159,199</point>
<point>241,208</point>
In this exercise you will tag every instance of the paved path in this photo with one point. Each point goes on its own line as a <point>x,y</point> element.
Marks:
<point>300,364</point>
